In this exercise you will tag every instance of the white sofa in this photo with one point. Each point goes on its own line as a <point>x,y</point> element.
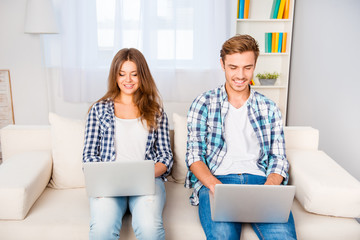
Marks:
<point>42,193</point>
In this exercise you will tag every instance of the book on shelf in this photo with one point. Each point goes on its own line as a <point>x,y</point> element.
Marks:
<point>280,42</point>
<point>283,46</point>
<point>243,9</point>
<point>275,42</point>
<point>280,9</point>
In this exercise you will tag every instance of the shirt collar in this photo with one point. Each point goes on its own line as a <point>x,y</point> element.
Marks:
<point>224,96</point>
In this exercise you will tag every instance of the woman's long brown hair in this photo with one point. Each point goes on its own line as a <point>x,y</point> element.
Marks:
<point>146,97</point>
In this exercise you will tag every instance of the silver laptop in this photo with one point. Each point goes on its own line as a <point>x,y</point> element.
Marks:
<point>251,203</point>
<point>109,179</point>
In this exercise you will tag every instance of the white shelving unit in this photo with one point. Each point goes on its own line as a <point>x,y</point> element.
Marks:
<point>257,25</point>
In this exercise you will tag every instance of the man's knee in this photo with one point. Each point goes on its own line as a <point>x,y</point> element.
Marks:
<point>223,231</point>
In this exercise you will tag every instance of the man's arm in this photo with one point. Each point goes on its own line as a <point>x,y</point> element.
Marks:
<point>202,172</point>
<point>274,179</point>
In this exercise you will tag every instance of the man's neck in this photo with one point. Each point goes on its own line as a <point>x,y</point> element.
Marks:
<point>235,98</point>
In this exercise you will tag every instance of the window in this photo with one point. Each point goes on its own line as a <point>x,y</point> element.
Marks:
<point>180,40</point>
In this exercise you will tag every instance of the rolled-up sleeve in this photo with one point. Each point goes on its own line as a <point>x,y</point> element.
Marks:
<point>91,151</point>
<point>278,162</point>
<point>162,142</point>
<point>197,127</point>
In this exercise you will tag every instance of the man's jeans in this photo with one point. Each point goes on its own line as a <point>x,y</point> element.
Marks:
<point>107,213</point>
<point>232,230</point>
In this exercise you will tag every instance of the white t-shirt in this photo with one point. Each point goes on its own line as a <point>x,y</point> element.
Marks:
<point>243,148</point>
<point>130,139</point>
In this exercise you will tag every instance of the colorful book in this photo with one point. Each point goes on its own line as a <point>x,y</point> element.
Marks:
<point>287,9</point>
<point>273,40</point>
<point>268,42</point>
<point>283,47</point>
<point>281,9</point>
<point>280,42</point>
<point>246,9</point>
<point>241,9</point>
<point>275,9</point>
<point>276,42</point>
<point>238,6</point>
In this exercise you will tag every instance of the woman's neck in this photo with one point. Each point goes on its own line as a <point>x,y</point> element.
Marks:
<point>125,108</point>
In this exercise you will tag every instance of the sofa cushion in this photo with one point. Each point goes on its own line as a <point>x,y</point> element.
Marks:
<point>322,185</point>
<point>17,139</point>
<point>301,138</point>
<point>179,169</point>
<point>67,138</point>
<point>23,178</point>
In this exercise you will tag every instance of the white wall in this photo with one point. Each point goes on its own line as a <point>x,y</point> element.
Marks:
<point>324,78</point>
<point>324,87</point>
<point>21,54</point>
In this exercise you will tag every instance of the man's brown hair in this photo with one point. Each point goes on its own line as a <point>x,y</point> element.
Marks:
<point>239,44</point>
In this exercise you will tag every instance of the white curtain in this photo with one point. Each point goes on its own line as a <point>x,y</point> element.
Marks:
<point>180,39</point>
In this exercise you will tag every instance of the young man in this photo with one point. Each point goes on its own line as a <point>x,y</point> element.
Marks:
<point>235,136</point>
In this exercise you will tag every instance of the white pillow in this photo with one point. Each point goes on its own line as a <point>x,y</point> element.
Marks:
<point>67,138</point>
<point>179,168</point>
<point>322,185</point>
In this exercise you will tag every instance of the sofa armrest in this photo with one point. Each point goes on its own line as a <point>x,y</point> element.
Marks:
<point>323,186</point>
<point>22,180</point>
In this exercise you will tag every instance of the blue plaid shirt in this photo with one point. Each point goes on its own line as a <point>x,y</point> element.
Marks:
<point>100,131</point>
<point>206,128</point>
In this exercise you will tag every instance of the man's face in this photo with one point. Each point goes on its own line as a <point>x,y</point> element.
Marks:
<point>239,70</point>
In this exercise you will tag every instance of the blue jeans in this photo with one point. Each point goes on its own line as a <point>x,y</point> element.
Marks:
<point>107,213</point>
<point>232,230</point>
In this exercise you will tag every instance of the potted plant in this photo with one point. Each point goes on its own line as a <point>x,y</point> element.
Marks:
<point>267,78</point>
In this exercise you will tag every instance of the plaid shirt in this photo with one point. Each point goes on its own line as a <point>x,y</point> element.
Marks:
<point>100,132</point>
<point>206,129</point>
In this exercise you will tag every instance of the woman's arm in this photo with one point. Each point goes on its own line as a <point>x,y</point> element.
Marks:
<point>164,156</point>
<point>91,139</point>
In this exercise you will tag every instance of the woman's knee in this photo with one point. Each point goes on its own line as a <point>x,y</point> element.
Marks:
<point>149,230</point>
<point>102,230</point>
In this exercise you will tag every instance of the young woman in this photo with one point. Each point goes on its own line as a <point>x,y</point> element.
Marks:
<point>129,123</point>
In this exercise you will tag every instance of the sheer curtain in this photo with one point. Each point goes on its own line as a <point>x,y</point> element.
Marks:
<point>181,40</point>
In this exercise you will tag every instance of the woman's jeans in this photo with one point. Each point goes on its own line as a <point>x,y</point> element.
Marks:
<point>107,213</point>
<point>232,230</point>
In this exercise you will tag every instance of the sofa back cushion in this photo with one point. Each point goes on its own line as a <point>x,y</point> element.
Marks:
<point>179,169</point>
<point>306,138</point>
<point>295,138</point>
<point>67,139</point>
<point>17,139</point>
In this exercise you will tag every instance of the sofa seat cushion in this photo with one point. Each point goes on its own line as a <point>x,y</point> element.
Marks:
<point>56,215</point>
<point>322,186</point>
<point>310,226</point>
<point>64,214</point>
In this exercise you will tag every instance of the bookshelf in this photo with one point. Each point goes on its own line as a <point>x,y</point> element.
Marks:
<point>257,24</point>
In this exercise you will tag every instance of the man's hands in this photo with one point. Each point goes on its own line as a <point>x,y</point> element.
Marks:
<point>202,172</point>
<point>274,179</point>
<point>160,169</point>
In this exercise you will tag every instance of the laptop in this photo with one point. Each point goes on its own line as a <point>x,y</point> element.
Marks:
<point>111,179</point>
<point>251,203</point>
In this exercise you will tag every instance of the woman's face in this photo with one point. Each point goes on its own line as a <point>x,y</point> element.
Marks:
<point>127,79</point>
